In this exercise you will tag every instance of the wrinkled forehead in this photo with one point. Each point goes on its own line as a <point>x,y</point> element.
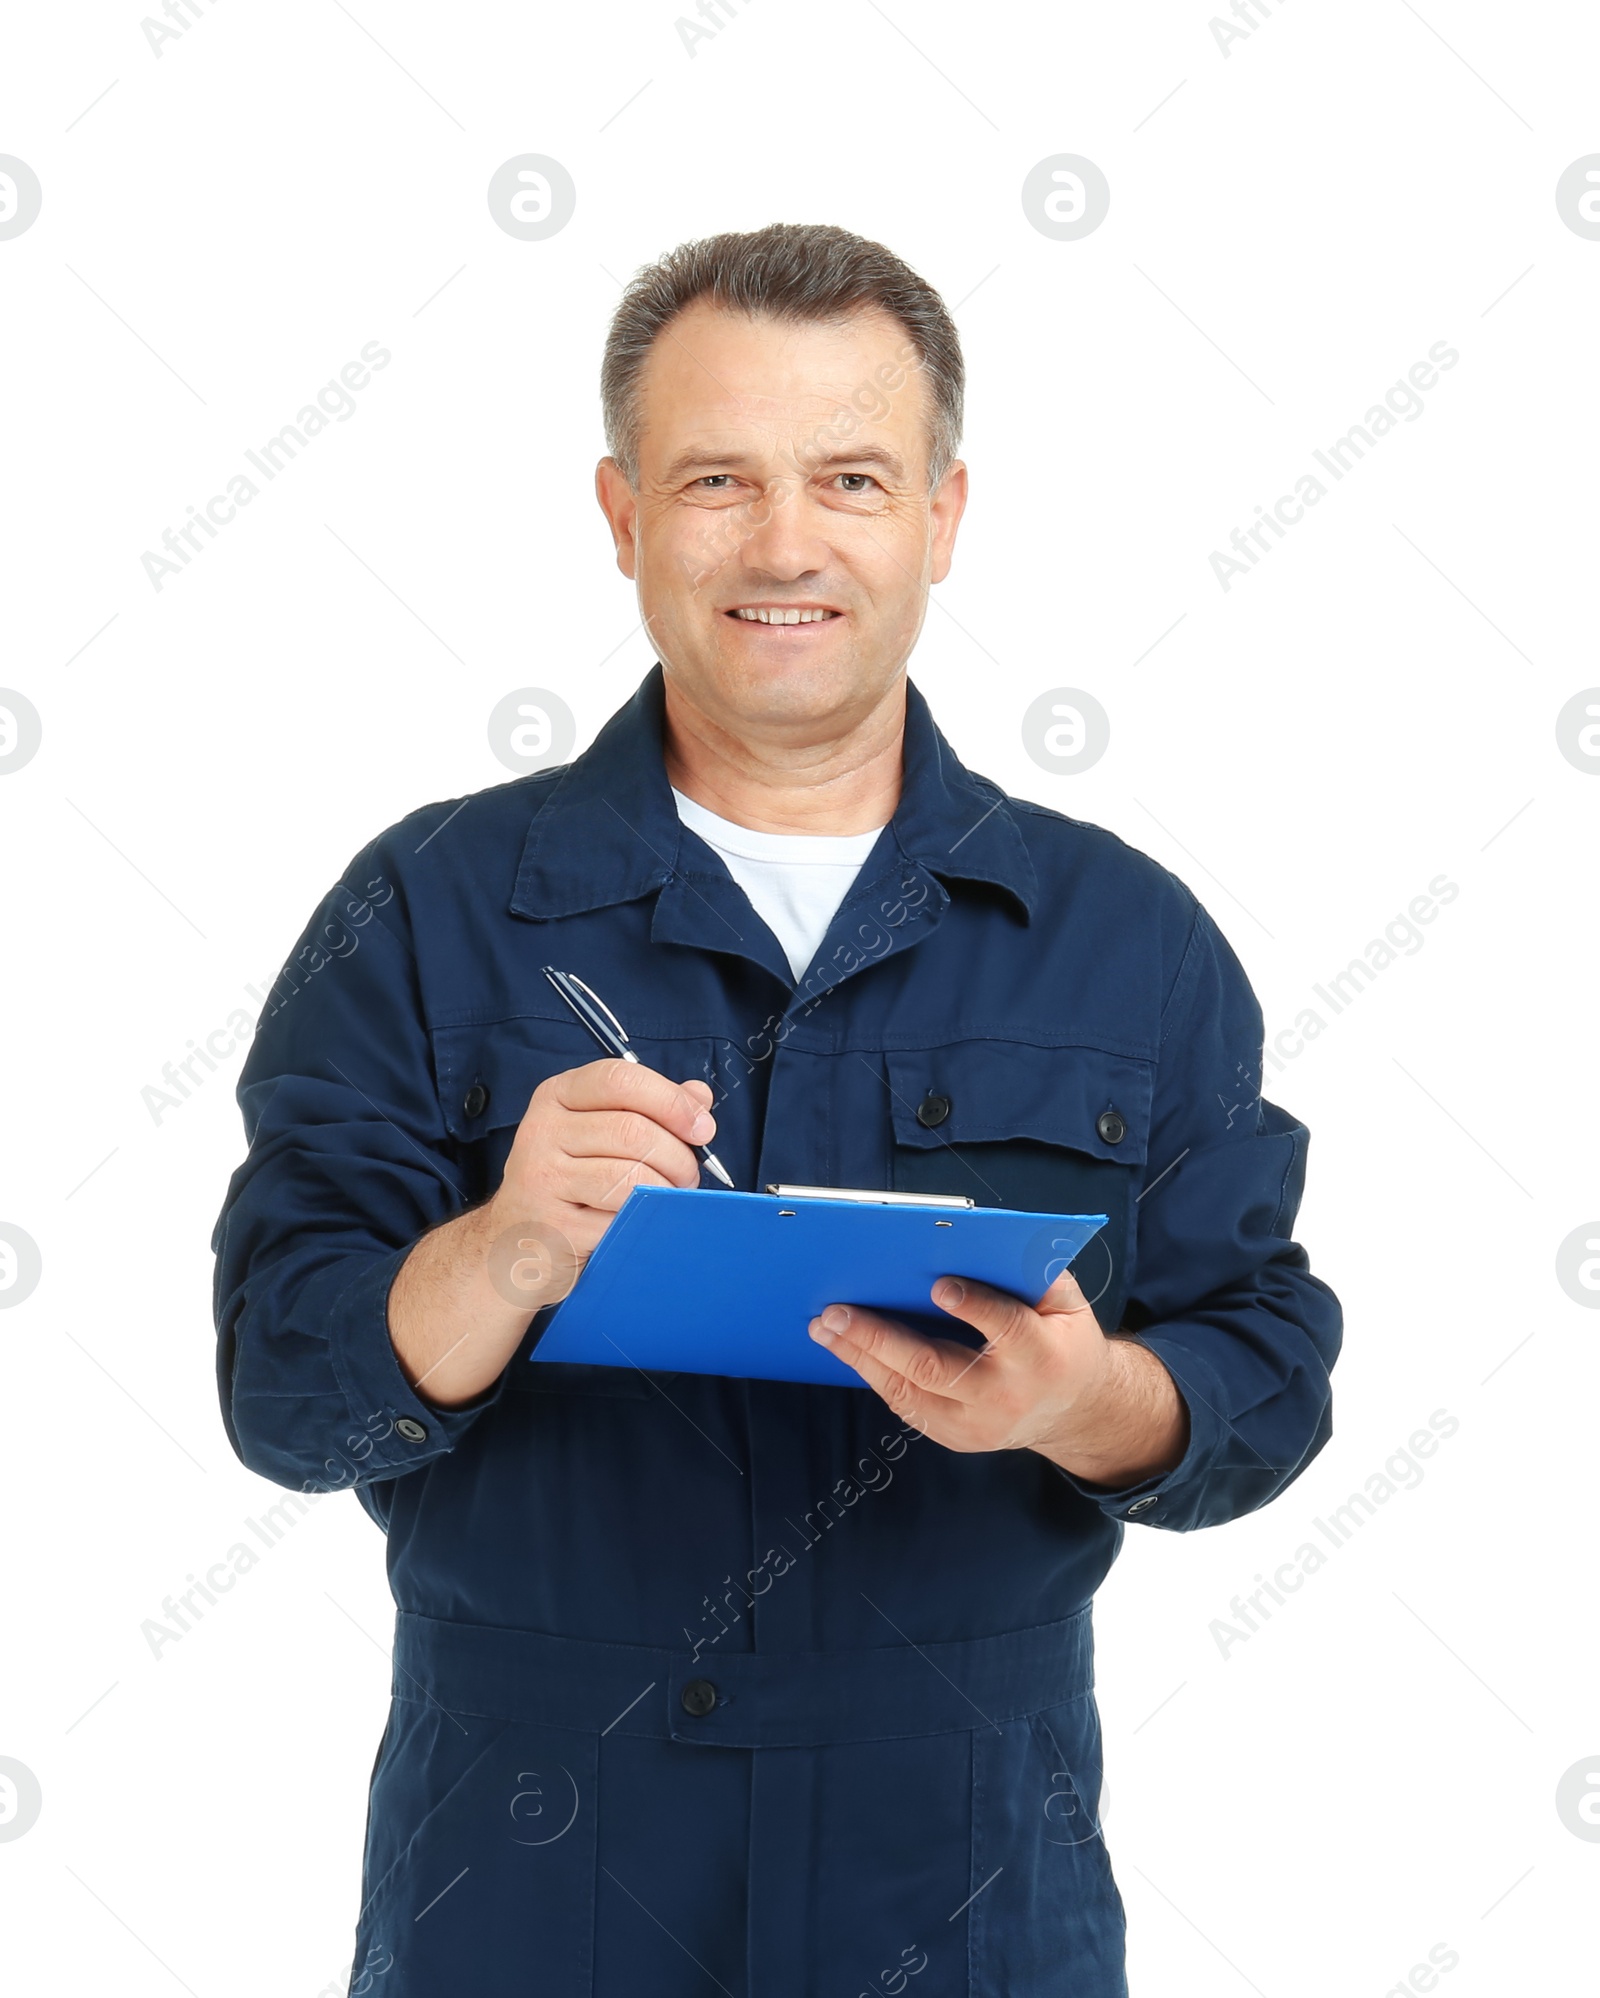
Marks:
<point>731,383</point>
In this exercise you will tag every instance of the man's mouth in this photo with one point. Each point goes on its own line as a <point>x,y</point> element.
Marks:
<point>783,613</point>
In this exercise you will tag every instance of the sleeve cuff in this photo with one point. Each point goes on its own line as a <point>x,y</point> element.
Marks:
<point>1172,1498</point>
<point>392,1429</point>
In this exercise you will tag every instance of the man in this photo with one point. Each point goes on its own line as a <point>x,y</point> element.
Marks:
<point>714,1684</point>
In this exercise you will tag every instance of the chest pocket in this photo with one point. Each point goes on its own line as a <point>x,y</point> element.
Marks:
<point>486,1077</point>
<point>1049,1130</point>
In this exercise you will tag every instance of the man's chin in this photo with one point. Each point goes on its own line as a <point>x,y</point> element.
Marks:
<point>744,684</point>
<point>824,675</point>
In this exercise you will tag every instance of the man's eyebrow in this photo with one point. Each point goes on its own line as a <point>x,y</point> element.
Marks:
<point>700,460</point>
<point>863,454</point>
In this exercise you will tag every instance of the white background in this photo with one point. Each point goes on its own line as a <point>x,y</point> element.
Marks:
<point>1373,1772</point>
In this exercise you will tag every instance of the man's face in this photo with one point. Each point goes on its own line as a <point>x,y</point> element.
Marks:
<point>783,468</point>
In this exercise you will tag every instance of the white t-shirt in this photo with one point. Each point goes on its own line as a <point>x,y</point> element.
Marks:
<point>795,881</point>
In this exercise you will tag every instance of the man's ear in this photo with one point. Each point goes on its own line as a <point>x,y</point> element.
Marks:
<point>948,504</point>
<point>620,505</point>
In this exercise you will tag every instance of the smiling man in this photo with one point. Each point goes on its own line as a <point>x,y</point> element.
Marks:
<point>716,1684</point>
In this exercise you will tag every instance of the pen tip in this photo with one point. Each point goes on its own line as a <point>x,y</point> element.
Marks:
<point>718,1170</point>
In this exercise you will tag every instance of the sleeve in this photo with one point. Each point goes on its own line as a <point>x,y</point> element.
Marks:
<point>349,1163</point>
<point>1221,1294</point>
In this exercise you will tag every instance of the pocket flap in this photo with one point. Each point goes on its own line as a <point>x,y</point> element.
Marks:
<point>980,1092</point>
<point>487,1073</point>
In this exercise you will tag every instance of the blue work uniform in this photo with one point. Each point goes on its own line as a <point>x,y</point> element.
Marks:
<point>708,1684</point>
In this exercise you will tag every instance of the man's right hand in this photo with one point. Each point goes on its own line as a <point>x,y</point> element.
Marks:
<point>592,1134</point>
<point>467,1291</point>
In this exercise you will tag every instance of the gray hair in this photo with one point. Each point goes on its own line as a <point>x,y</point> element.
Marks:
<point>808,271</point>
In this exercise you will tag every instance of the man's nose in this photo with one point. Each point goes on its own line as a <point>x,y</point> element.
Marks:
<point>783,538</point>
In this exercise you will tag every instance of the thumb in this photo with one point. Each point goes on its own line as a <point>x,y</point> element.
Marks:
<point>1063,1298</point>
<point>700,1096</point>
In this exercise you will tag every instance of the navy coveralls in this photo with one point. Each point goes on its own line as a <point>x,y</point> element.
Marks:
<point>710,1684</point>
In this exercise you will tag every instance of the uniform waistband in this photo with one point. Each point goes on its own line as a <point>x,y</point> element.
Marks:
<point>743,1699</point>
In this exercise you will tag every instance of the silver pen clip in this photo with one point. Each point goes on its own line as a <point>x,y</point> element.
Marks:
<point>597,1017</point>
<point>596,1001</point>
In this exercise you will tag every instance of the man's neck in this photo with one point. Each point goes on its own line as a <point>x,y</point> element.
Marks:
<point>844,779</point>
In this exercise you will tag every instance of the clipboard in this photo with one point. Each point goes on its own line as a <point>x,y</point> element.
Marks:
<point>699,1281</point>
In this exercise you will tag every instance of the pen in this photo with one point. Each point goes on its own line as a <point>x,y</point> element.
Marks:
<point>607,1030</point>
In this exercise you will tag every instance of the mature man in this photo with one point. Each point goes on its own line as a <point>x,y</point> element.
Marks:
<point>717,1684</point>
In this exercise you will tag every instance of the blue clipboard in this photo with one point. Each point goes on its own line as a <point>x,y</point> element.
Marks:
<point>700,1281</point>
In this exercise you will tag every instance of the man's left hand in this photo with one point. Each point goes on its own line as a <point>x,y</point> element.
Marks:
<point>1046,1379</point>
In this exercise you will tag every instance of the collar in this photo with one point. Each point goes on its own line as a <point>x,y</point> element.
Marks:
<point>609,832</point>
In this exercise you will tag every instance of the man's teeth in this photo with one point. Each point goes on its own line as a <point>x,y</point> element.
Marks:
<point>785,616</point>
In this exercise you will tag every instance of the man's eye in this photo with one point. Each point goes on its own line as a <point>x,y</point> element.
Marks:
<point>856,482</point>
<point>716,481</point>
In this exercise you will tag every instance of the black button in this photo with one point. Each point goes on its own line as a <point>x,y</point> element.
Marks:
<point>411,1430</point>
<point>698,1697</point>
<point>476,1100</point>
<point>933,1110</point>
<point>1111,1127</point>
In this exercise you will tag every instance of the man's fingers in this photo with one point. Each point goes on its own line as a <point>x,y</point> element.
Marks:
<point>933,1414</point>
<point>625,1125</point>
<point>1002,1318</point>
<point>606,1182</point>
<point>627,1134</point>
<point>932,1366</point>
<point>613,1084</point>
